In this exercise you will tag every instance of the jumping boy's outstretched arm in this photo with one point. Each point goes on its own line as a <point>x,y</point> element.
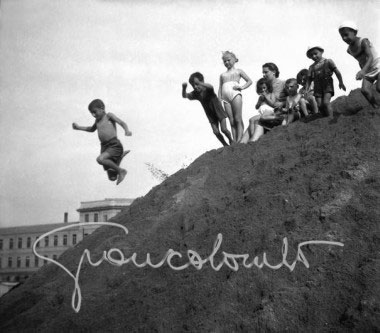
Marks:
<point>120,122</point>
<point>84,128</point>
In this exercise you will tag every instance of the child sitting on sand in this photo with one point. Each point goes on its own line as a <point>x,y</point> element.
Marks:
<point>230,93</point>
<point>294,102</point>
<point>307,95</point>
<point>111,152</point>
<point>320,72</point>
<point>204,93</point>
<point>369,61</point>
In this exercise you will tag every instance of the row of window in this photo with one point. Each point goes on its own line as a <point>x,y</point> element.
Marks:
<point>45,241</point>
<point>18,263</point>
<point>96,217</point>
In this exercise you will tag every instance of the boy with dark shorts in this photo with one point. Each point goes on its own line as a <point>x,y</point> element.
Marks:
<point>111,152</point>
<point>320,72</point>
<point>204,93</point>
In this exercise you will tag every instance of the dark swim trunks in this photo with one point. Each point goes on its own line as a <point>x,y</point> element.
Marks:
<point>115,149</point>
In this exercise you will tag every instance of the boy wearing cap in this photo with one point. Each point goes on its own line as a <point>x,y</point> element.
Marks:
<point>320,72</point>
<point>369,61</point>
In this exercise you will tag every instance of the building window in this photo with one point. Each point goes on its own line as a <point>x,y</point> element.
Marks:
<point>1,262</point>
<point>10,262</point>
<point>28,242</point>
<point>64,239</point>
<point>38,244</point>
<point>47,241</point>
<point>74,239</point>
<point>96,217</point>
<point>56,240</point>
<point>54,257</point>
<point>45,261</point>
<point>11,243</point>
<point>35,261</point>
<point>27,261</point>
<point>105,217</point>
<point>1,244</point>
<point>19,243</point>
<point>85,234</point>
<point>86,218</point>
<point>18,262</point>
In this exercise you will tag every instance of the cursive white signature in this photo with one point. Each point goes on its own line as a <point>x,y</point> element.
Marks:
<point>116,257</point>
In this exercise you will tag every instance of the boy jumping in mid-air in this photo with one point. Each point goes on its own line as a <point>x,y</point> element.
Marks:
<point>111,152</point>
<point>369,61</point>
<point>204,92</point>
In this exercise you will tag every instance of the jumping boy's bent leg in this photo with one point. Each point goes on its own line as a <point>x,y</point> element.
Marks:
<point>121,177</point>
<point>105,159</point>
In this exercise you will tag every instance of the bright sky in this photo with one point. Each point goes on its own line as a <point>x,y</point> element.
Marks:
<point>56,56</point>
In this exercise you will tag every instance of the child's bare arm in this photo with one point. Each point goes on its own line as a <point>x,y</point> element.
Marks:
<point>203,84</point>
<point>340,79</point>
<point>367,51</point>
<point>84,128</point>
<point>220,88</point>
<point>121,123</point>
<point>260,101</point>
<point>247,80</point>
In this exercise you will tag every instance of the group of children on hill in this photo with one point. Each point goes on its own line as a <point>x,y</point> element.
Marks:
<point>279,103</point>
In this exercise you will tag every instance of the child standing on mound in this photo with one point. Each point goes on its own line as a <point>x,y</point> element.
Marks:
<point>369,61</point>
<point>230,93</point>
<point>320,72</point>
<point>111,152</point>
<point>204,92</point>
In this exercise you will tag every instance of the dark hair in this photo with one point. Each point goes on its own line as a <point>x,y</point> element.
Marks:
<point>272,67</point>
<point>197,75</point>
<point>266,82</point>
<point>300,74</point>
<point>291,80</point>
<point>96,103</point>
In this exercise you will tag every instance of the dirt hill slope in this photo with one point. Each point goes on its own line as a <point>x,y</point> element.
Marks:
<point>311,181</point>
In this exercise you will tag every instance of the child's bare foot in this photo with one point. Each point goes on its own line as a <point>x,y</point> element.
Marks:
<point>121,177</point>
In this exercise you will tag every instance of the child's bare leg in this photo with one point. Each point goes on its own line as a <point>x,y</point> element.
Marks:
<point>245,137</point>
<point>258,132</point>
<point>228,109</point>
<point>104,159</point>
<point>237,106</point>
<point>303,107</point>
<point>251,127</point>
<point>226,132</point>
<point>367,92</point>
<point>314,105</point>
<point>215,129</point>
<point>327,105</point>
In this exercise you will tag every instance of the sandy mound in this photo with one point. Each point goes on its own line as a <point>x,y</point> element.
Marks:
<point>312,181</point>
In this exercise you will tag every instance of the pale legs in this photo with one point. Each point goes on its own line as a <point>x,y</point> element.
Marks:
<point>325,105</point>
<point>234,112</point>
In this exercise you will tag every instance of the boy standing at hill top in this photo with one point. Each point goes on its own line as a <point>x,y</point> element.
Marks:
<point>369,61</point>
<point>111,152</point>
<point>204,93</point>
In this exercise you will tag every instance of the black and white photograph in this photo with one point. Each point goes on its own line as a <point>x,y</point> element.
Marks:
<point>190,166</point>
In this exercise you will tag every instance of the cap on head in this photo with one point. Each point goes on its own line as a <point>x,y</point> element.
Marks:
<point>311,48</point>
<point>349,24</point>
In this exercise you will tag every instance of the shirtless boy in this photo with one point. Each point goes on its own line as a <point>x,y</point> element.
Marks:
<point>111,152</point>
